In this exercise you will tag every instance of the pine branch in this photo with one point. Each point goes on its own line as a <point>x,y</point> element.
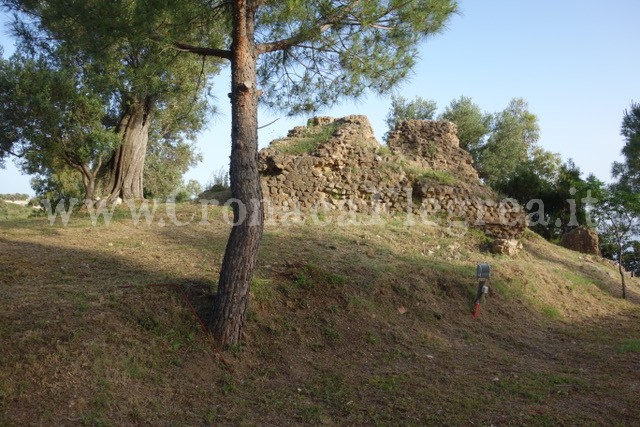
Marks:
<point>15,154</point>
<point>340,19</point>
<point>204,51</point>
<point>291,41</point>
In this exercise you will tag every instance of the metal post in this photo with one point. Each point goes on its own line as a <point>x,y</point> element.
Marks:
<point>483,273</point>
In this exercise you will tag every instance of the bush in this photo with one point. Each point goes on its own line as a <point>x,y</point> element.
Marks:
<point>14,197</point>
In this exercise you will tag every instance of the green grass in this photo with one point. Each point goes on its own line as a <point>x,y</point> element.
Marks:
<point>437,177</point>
<point>508,288</point>
<point>538,386</point>
<point>358,325</point>
<point>388,383</point>
<point>331,387</point>
<point>262,290</point>
<point>359,302</point>
<point>576,279</point>
<point>631,345</point>
<point>308,142</point>
<point>11,211</point>
<point>331,333</point>
<point>385,151</point>
<point>425,176</point>
<point>550,312</point>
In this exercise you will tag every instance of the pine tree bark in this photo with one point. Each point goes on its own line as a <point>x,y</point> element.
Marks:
<point>126,167</point>
<point>230,307</point>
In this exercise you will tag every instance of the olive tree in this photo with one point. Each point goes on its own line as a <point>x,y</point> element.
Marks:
<point>116,46</point>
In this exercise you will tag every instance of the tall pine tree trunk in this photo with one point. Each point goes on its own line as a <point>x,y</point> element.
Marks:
<point>126,167</point>
<point>230,308</point>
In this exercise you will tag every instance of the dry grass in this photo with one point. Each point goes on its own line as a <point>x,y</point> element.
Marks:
<point>355,325</point>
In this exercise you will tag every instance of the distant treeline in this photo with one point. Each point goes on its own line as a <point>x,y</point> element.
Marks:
<point>14,197</point>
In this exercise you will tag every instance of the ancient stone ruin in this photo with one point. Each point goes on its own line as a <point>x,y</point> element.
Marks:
<point>582,239</point>
<point>338,165</point>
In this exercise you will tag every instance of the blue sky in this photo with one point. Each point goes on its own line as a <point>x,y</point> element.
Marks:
<point>575,62</point>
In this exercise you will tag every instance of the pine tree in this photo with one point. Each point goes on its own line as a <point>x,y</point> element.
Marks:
<point>300,55</point>
<point>628,172</point>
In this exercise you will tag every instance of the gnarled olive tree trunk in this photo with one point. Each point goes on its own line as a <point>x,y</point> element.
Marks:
<point>89,183</point>
<point>126,168</point>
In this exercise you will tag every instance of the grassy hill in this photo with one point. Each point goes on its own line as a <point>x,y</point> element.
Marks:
<point>348,325</point>
<point>13,211</point>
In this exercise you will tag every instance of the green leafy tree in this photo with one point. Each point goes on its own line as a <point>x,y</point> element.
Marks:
<point>193,188</point>
<point>617,218</point>
<point>473,124</point>
<point>515,133</point>
<point>166,164</point>
<point>50,119</point>
<point>402,109</point>
<point>219,180</point>
<point>628,172</point>
<point>631,256</point>
<point>631,259</point>
<point>570,198</point>
<point>298,56</point>
<point>554,194</point>
<point>117,44</point>
<point>170,152</point>
<point>56,183</point>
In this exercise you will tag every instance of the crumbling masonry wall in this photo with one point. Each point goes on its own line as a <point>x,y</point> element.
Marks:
<point>422,171</point>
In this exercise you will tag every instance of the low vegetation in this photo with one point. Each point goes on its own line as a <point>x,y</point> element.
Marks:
<point>14,196</point>
<point>348,325</point>
<point>13,211</point>
<point>306,143</point>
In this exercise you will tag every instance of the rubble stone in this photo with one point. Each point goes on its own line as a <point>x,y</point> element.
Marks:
<point>422,172</point>
<point>582,239</point>
<point>508,247</point>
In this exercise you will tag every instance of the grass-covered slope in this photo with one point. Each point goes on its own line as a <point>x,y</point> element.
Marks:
<point>13,211</point>
<point>348,325</point>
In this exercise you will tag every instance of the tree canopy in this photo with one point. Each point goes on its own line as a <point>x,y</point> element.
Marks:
<point>514,135</point>
<point>404,109</point>
<point>143,86</point>
<point>312,53</point>
<point>616,214</point>
<point>473,124</point>
<point>619,210</point>
<point>49,118</point>
<point>628,171</point>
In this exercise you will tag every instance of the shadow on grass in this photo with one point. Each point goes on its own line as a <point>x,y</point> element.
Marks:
<point>330,346</point>
<point>32,270</point>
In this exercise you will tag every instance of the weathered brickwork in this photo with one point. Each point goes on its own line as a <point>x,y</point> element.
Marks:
<point>422,171</point>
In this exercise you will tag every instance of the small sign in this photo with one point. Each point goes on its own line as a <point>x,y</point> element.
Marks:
<point>483,271</point>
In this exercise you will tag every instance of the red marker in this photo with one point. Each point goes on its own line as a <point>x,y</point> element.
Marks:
<point>476,310</point>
